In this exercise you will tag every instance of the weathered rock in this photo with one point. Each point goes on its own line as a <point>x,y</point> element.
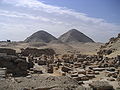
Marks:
<point>36,71</point>
<point>50,69</point>
<point>118,78</point>
<point>96,72</point>
<point>43,88</point>
<point>37,52</point>
<point>111,79</point>
<point>74,75</point>
<point>14,65</point>
<point>30,65</point>
<point>112,74</point>
<point>83,77</point>
<point>77,78</point>
<point>90,76</point>
<point>41,62</point>
<point>98,69</point>
<point>29,76</point>
<point>65,69</point>
<point>101,85</point>
<point>80,82</point>
<point>81,71</point>
<point>7,51</point>
<point>83,88</point>
<point>111,69</point>
<point>26,89</point>
<point>2,72</point>
<point>77,64</point>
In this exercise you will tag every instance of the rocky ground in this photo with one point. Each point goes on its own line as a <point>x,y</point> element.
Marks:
<point>60,66</point>
<point>111,48</point>
<point>39,82</point>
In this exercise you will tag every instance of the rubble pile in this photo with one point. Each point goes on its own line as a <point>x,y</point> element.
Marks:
<point>101,85</point>
<point>37,52</point>
<point>7,51</point>
<point>109,47</point>
<point>78,67</point>
<point>16,66</point>
<point>83,67</point>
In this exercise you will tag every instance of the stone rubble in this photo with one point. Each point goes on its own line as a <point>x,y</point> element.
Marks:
<point>78,67</point>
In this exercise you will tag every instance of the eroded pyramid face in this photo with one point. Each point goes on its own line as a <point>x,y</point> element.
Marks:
<point>74,35</point>
<point>40,36</point>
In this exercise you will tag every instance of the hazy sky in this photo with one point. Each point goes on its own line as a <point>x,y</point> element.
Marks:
<point>98,19</point>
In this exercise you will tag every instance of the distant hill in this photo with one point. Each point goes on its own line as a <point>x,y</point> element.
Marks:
<point>74,35</point>
<point>111,48</point>
<point>41,36</point>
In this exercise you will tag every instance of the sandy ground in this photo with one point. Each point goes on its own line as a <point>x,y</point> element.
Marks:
<point>60,48</point>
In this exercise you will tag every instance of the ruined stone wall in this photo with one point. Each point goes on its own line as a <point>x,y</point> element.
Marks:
<point>7,51</point>
<point>14,65</point>
<point>37,52</point>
